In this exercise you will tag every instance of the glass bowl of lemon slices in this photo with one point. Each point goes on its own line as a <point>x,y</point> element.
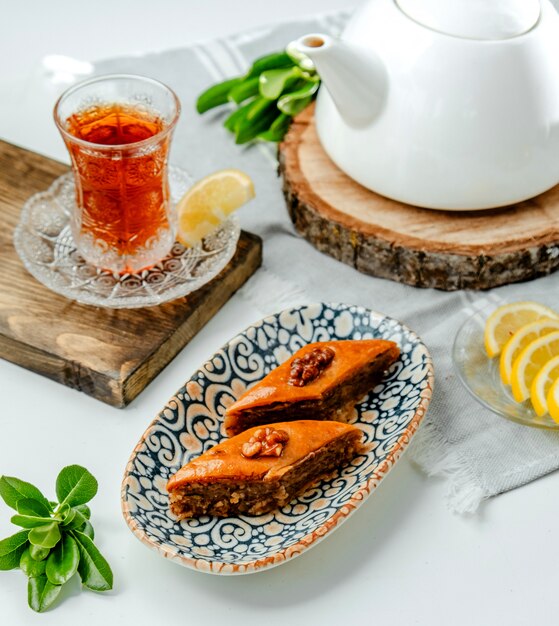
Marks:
<point>508,358</point>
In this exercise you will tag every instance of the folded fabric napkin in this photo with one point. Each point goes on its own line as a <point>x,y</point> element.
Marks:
<point>479,453</point>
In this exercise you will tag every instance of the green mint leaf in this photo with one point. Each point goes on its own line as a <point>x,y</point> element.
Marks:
<point>33,508</point>
<point>63,561</point>
<point>272,61</point>
<point>84,510</point>
<point>63,510</point>
<point>244,90</point>
<point>272,82</point>
<point>232,121</point>
<point>295,102</point>
<point>74,521</point>
<point>69,517</point>
<point>12,490</point>
<point>37,553</point>
<point>87,529</point>
<point>46,536</point>
<point>277,130</point>
<point>293,107</point>
<point>41,593</point>
<point>262,113</point>
<point>29,566</point>
<point>11,550</point>
<point>259,108</point>
<point>216,95</point>
<point>75,485</point>
<point>93,569</point>
<point>29,521</point>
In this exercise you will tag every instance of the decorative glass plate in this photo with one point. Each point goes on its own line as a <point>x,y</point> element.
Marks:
<point>480,374</point>
<point>45,244</point>
<point>192,420</point>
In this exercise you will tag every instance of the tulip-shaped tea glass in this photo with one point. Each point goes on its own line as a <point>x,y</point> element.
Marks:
<point>118,131</point>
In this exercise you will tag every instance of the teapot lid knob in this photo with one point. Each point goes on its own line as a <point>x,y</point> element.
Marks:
<point>474,19</point>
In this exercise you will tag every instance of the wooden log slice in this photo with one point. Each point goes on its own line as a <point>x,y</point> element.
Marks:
<point>421,247</point>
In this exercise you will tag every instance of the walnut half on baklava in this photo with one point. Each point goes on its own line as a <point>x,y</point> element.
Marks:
<point>322,380</point>
<point>262,468</point>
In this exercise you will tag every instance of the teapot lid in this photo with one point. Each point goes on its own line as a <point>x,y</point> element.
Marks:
<point>474,19</point>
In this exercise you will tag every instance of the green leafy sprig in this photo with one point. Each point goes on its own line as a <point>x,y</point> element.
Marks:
<point>277,87</point>
<point>57,540</point>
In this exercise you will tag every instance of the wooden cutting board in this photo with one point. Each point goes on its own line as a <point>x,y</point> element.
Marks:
<point>443,249</point>
<point>110,354</point>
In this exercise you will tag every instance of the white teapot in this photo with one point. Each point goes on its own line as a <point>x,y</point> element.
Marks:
<point>445,104</point>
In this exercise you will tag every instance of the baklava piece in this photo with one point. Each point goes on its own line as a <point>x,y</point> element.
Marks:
<point>262,468</point>
<point>321,381</point>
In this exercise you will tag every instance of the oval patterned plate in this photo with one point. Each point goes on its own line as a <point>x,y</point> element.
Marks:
<point>191,423</point>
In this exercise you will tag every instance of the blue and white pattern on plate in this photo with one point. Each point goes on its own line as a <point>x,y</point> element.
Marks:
<point>192,421</point>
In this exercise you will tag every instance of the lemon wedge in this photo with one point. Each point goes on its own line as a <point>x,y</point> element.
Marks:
<point>509,318</point>
<point>520,340</point>
<point>553,400</point>
<point>530,361</point>
<point>542,384</point>
<point>209,202</point>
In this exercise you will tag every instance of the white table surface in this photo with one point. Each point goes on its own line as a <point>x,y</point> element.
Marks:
<point>402,559</point>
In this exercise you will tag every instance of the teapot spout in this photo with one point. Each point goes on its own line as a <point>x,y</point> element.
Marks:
<point>356,79</point>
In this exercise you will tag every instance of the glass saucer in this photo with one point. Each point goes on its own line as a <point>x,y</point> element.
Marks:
<point>480,374</point>
<point>45,244</point>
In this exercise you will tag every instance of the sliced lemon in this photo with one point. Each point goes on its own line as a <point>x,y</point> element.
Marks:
<point>209,202</point>
<point>530,361</point>
<point>541,385</point>
<point>507,319</point>
<point>553,400</point>
<point>520,340</point>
